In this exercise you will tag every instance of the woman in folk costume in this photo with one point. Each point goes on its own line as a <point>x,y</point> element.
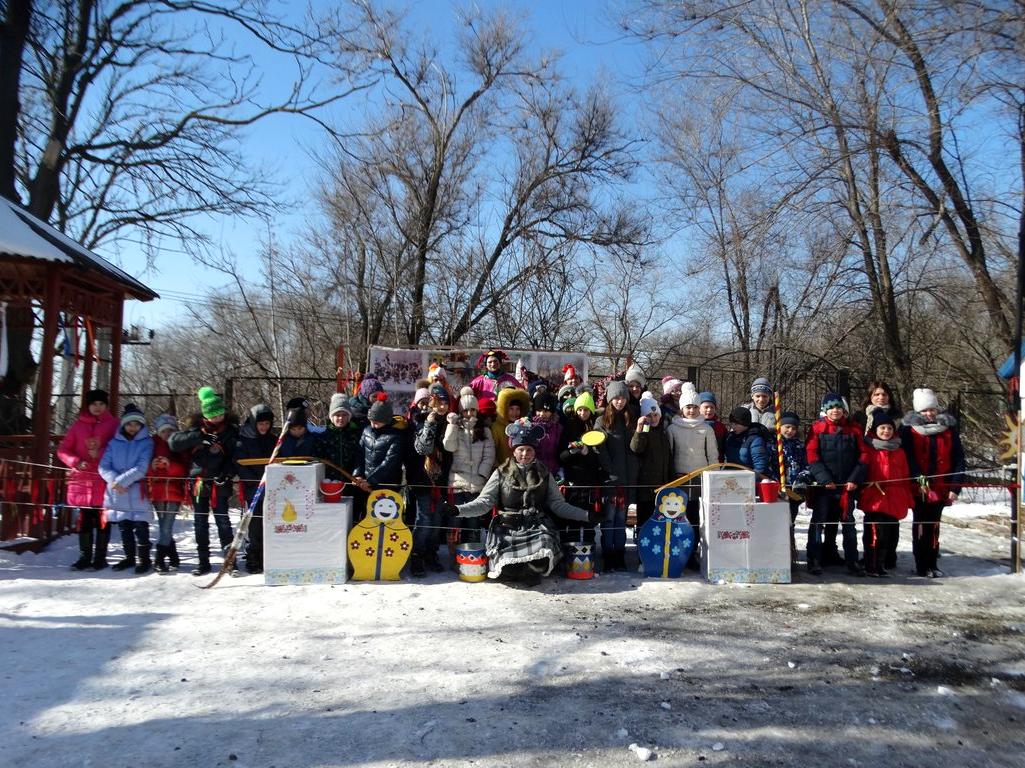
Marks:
<point>81,450</point>
<point>487,384</point>
<point>123,467</point>
<point>936,461</point>
<point>522,542</point>
<point>886,498</point>
<point>570,377</point>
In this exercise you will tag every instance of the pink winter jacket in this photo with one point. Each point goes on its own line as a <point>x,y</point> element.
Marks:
<point>86,441</point>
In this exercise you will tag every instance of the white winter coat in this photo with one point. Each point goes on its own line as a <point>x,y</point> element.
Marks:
<point>692,443</point>
<point>472,462</point>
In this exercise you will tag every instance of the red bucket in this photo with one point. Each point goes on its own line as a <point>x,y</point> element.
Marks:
<point>768,491</point>
<point>331,490</point>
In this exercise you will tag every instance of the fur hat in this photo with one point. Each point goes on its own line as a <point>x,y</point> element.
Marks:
<point>584,387</point>
<point>789,417</point>
<point>339,402</point>
<point>97,396</point>
<point>436,371</point>
<point>210,403</point>
<point>423,393</point>
<point>924,399</point>
<point>688,395</point>
<point>584,401</point>
<point>381,409</point>
<point>468,400</point>
<point>569,372</point>
<point>165,421</point>
<point>649,405</point>
<point>832,400</point>
<point>616,389</point>
<point>132,413</point>
<point>370,386</point>
<point>761,386</point>
<point>740,415</point>
<point>522,432</point>
<point>261,412</point>
<point>634,374</point>
<point>670,384</point>
<point>707,397</point>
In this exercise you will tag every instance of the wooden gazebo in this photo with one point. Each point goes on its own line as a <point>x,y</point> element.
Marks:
<point>45,276</point>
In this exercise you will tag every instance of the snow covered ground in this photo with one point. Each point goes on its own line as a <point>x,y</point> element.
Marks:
<point>118,670</point>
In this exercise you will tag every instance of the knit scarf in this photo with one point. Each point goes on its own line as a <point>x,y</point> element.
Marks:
<point>886,445</point>
<point>932,428</point>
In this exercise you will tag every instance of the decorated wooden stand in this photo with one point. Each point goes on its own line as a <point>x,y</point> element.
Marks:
<point>380,543</point>
<point>303,537</point>
<point>742,541</point>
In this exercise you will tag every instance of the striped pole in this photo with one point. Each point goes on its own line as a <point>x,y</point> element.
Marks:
<point>779,443</point>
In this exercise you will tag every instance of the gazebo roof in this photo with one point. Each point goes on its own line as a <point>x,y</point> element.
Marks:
<point>22,235</point>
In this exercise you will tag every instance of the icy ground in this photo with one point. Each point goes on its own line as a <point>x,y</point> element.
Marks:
<point>117,670</point>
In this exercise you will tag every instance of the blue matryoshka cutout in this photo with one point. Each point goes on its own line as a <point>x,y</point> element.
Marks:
<point>667,539</point>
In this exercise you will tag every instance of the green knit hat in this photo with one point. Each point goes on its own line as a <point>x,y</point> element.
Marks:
<point>210,403</point>
<point>584,400</point>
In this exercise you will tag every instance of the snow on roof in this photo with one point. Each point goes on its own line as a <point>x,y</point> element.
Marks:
<point>22,234</point>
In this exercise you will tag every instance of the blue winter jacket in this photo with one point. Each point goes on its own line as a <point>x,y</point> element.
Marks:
<point>750,449</point>
<point>125,463</point>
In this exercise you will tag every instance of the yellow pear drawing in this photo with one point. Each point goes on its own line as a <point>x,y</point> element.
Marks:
<point>289,514</point>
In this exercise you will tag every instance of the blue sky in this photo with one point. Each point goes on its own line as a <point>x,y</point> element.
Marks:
<point>580,30</point>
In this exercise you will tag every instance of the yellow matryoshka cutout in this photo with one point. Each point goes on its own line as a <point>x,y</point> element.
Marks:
<point>380,543</point>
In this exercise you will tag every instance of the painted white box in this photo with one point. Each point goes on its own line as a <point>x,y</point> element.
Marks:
<point>304,539</point>
<point>741,540</point>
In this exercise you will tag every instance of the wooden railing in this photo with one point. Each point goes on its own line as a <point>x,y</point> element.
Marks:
<point>32,510</point>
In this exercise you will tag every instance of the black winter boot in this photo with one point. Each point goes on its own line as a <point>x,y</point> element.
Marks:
<point>162,559</point>
<point>172,555</point>
<point>85,550</point>
<point>102,541</point>
<point>145,564</point>
<point>203,568</point>
<point>128,543</point>
<point>416,566</point>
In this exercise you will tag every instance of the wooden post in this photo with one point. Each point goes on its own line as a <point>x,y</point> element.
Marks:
<point>115,353</point>
<point>41,410</point>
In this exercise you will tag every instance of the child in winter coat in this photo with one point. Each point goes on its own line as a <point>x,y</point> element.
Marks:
<point>468,439</point>
<point>761,404</point>
<point>693,446</point>
<point>936,460</point>
<point>123,467</point>
<point>431,488</point>
<point>81,450</point>
<point>837,457</point>
<point>209,438</point>
<point>620,464</point>
<point>340,441</point>
<point>746,443</point>
<point>256,441</point>
<point>545,416</point>
<point>650,442</point>
<point>887,497</point>
<point>582,470</point>
<point>795,465</point>
<point>709,408</point>
<point>166,481</point>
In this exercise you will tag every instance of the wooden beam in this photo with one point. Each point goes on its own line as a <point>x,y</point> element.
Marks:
<point>41,416</point>
<point>115,354</point>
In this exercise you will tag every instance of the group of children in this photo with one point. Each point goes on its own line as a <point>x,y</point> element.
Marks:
<point>444,447</point>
